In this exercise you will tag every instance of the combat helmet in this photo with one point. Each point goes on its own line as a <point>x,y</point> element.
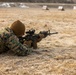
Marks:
<point>18,28</point>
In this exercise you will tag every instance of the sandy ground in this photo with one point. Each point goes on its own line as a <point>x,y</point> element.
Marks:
<point>56,54</point>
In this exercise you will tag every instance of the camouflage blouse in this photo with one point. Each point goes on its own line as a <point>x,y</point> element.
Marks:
<point>9,41</point>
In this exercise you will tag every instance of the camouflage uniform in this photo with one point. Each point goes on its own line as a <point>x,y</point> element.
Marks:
<point>9,41</point>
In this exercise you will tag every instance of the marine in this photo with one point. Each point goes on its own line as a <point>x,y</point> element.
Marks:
<point>9,39</point>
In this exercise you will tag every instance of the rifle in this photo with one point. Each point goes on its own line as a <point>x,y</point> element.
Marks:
<point>31,36</point>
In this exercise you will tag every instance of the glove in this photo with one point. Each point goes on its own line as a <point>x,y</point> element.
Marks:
<point>28,43</point>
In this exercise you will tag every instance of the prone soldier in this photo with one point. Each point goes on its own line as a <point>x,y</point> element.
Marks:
<point>9,39</point>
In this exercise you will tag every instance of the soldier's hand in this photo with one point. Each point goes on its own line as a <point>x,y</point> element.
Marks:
<point>28,43</point>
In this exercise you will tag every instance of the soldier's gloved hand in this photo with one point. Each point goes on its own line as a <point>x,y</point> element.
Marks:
<point>28,43</point>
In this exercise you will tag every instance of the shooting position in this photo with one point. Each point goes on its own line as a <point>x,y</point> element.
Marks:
<point>31,38</point>
<point>11,39</point>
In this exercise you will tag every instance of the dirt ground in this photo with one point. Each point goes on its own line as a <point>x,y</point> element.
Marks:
<point>56,54</point>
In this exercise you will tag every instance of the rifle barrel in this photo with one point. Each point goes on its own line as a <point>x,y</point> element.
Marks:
<point>54,33</point>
